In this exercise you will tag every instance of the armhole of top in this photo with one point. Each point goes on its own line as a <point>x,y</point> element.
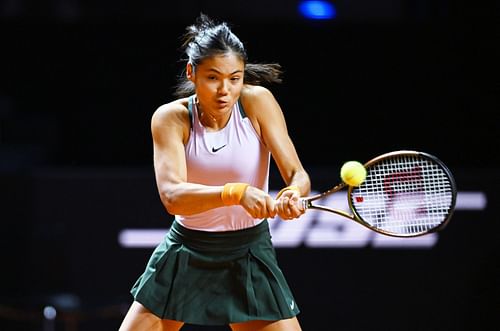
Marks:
<point>242,111</point>
<point>190,111</point>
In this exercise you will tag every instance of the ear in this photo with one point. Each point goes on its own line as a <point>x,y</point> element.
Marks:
<point>190,71</point>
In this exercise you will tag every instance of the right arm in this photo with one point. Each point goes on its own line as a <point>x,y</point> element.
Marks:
<point>170,130</point>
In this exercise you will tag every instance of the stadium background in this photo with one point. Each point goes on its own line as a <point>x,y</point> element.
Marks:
<point>80,81</point>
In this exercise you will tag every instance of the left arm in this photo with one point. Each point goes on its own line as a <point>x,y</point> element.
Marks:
<point>268,119</point>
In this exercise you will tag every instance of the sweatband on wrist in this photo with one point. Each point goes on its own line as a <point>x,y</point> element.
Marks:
<point>232,193</point>
<point>291,187</point>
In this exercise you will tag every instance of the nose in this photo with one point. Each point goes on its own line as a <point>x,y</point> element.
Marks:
<point>223,88</point>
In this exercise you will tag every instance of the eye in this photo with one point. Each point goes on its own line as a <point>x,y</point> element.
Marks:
<point>235,79</point>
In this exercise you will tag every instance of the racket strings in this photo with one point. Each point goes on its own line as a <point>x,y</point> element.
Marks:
<point>404,195</point>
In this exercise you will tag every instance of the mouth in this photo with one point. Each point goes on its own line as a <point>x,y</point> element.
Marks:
<point>222,103</point>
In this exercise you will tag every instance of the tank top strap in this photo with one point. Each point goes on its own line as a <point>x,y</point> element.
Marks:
<point>242,111</point>
<point>190,111</point>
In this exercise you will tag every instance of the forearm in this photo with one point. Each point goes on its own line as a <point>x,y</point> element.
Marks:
<point>301,180</point>
<point>190,198</point>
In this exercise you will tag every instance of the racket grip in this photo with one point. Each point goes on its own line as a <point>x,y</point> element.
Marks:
<point>304,202</point>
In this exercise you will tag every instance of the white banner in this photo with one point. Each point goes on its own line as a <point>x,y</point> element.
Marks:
<point>318,229</point>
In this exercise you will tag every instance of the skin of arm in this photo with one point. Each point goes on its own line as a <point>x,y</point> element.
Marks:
<point>268,119</point>
<point>170,131</point>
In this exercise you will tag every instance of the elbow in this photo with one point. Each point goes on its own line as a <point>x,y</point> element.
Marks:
<point>169,201</point>
<point>174,202</point>
<point>169,207</point>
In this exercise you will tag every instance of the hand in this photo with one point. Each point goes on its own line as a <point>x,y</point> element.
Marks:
<point>288,206</point>
<point>258,203</point>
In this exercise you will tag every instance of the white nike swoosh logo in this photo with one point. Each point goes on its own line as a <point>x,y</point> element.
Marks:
<point>292,305</point>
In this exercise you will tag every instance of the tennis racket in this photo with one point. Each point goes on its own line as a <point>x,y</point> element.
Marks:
<point>405,194</point>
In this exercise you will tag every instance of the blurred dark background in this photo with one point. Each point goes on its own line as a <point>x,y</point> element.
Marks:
<point>79,81</point>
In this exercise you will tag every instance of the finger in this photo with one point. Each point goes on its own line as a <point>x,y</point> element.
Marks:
<point>295,208</point>
<point>271,207</point>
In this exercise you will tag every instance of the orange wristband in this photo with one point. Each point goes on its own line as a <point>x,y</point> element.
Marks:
<point>291,187</point>
<point>232,193</point>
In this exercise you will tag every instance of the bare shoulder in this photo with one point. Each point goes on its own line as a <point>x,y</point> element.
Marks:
<point>171,120</point>
<point>261,108</point>
<point>255,93</point>
<point>173,111</point>
<point>257,100</point>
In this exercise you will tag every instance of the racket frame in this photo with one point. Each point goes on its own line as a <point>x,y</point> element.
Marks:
<point>307,202</point>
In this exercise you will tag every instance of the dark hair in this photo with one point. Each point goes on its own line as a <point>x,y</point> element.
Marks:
<point>207,38</point>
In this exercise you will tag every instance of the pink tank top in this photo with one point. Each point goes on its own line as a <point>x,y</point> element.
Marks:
<point>232,154</point>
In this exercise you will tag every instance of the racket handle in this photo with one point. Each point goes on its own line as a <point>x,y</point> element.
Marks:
<point>304,202</point>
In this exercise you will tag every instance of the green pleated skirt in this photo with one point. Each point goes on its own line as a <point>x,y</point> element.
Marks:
<point>215,278</point>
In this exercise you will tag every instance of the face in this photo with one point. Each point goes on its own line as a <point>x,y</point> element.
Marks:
<point>218,81</point>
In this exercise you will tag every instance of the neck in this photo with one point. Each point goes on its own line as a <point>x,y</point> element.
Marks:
<point>210,121</point>
<point>207,120</point>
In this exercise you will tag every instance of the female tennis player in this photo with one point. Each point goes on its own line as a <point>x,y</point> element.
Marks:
<point>212,151</point>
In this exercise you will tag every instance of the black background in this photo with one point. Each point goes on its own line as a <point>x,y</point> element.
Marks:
<point>80,81</point>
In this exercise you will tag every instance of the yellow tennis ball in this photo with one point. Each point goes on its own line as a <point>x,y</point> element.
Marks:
<point>353,173</point>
